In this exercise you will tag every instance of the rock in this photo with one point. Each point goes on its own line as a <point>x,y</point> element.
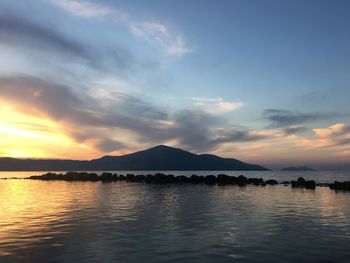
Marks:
<point>195,179</point>
<point>181,179</point>
<point>122,177</point>
<point>299,183</point>
<point>302,183</point>
<point>242,180</point>
<point>301,180</point>
<point>140,178</point>
<point>108,177</point>
<point>210,179</point>
<point>130,177</point>
<point>158,178</point>
<point>223,179</point>
<point>255,181</point>
<point>271,182</point>
<point>343,186</point>
<point>310,184</point>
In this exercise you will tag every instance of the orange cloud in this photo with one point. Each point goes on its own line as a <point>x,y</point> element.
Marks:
<point>337,129</point>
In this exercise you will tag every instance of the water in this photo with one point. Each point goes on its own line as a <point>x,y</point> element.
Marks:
<point>55,221</point>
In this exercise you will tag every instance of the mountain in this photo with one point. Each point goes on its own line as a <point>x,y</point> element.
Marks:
<point>159,158</point>
<point>298,169</point>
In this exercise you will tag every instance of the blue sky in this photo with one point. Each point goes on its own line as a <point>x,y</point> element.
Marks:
<point>263,81</point>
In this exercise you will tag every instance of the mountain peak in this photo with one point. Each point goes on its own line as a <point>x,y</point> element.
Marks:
<point>165,148</point>
<point>158,158</point>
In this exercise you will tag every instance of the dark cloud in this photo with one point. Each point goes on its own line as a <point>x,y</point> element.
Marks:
<point>108,145</point>
<point>294,129</point>
<point>193,129</point>
<point>86,118</point>
<point>19,31</point>
<point>240,135</point>
<point>283,118</point>
<point>62,104</point>
<point>135,106</point>
<point>47,42</point>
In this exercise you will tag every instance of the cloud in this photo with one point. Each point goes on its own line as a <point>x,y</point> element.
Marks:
<point>108,145</point>
<point>19,31</point>
<point>111,120</point>
<point>216,105</point>
<point>124,103</point>
<point>294,129</point>
<point>192,129</point>
<point>50,45</point>
<point>238,135</point>
<point>282,118</point>
<point>332,136</point>
<point>84,8</point>
<point>86,118</point>
<point>156,34</point>
<point>345,153</point>
<point>336,130</point>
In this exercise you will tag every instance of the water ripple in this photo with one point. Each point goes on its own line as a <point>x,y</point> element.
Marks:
<point>126,222</point>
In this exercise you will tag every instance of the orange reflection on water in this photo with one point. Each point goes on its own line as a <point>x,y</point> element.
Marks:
<point>34,212</point>
<point>332,206</point>
<point>30,208</point>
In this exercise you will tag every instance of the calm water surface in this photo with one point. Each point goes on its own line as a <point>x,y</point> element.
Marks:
<point>132,222</point>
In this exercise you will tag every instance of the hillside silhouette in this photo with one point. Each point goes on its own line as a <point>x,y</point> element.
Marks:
<point>159,158</point>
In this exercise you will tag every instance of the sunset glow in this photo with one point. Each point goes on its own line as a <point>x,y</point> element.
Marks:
<point>29,136</point>
<point>135,80</point>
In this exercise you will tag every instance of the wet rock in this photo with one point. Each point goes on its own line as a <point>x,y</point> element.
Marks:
<point>223,179</point>
<point>195,179</point>
<point>310,184</point>
<point>158,178</point>
<point>122,177</point>
<point>255,181</point>
<point>271,182</point>
<point>302,183</point>
<point>140,178</point>
<point>299,183</point>
<point>108,177</point>
<point>181,179</point>
<point>342,186</point>
<point>242,180</point>
<point>210,179</point>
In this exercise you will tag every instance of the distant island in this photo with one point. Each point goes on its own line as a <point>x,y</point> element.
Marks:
<point>159,158</point>
<point>298,169</point>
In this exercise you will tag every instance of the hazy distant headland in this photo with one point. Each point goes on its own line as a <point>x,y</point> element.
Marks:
<point>159,158</point>
<point>298,169</point>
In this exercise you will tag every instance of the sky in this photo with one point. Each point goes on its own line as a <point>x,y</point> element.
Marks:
<point>265,82</point>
